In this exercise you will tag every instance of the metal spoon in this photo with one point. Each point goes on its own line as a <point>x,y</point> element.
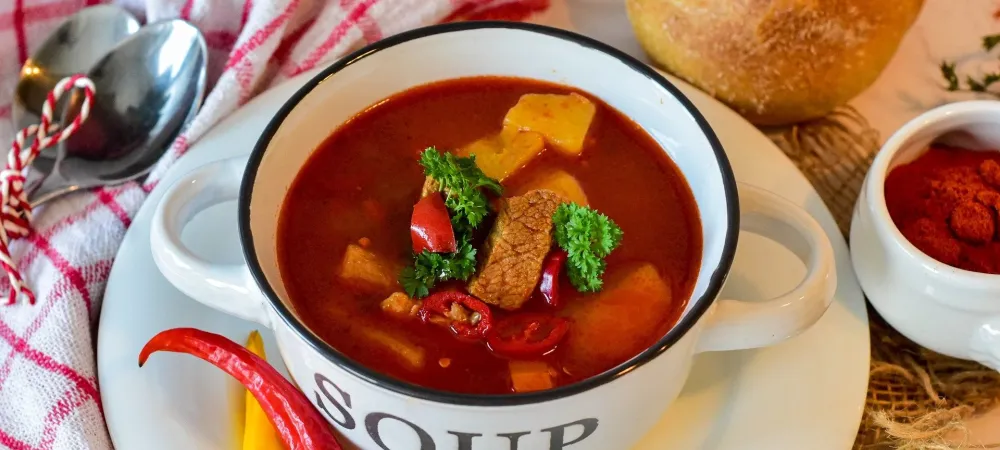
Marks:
<point>148,88</point>
<point>79,42</point>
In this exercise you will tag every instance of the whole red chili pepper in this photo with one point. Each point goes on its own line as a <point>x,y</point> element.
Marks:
<point>299,424</point>
<point>440,303</point>
<point>527,335</point>
<point>549,284</point>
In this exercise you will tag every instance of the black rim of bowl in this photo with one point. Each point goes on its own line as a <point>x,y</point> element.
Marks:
<point>701,305</point>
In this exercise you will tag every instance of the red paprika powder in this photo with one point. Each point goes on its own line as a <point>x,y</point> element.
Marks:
<point>946,202</point>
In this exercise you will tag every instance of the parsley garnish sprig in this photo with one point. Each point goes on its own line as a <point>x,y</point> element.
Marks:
<point>588,237</point>
<point>428,268</point>
<point>462,183</point>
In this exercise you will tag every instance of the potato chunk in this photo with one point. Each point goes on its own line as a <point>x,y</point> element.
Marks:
<point>560,182</point>
<point>501,155</point>
<point>365,269</point>
<point>400,305</point>
<point>408,353</point>
<point>527,376</point>
<point>563,120</point>
<point>614,324</point>
<point>379,335</point>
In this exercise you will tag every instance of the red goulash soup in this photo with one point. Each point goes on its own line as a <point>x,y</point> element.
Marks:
<point>474,312</point>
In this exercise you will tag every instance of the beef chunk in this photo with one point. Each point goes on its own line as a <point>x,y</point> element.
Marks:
<point>515,249</point>
<point>430,186</point>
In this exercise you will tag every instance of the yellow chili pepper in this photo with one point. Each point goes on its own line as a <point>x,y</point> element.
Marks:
<point>258,433</point>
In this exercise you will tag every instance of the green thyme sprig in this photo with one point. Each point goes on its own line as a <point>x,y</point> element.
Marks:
<point>980,83</point>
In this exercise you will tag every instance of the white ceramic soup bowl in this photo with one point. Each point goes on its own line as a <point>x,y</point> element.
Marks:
<point>609,411</point>
<point>946,309</point>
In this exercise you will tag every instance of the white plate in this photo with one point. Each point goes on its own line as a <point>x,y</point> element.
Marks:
<point>805,393</point>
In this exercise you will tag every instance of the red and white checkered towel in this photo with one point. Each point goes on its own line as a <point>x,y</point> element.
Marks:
<point>48,385</point>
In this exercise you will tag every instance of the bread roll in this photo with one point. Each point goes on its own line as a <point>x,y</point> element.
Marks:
<point>774,61</point>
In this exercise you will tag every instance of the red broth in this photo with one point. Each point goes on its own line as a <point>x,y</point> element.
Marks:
<point>362,183</point>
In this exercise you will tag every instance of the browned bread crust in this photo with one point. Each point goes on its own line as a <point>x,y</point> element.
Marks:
<point>774,61</point>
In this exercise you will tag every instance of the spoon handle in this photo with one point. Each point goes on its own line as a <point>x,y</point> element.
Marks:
<point>47,187</point>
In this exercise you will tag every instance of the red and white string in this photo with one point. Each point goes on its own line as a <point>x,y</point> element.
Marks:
<point>15,210</point>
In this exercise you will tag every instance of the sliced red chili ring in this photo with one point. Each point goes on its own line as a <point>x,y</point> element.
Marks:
<point>440,303</point>
<point>527,335</point>
<point>548,286</point>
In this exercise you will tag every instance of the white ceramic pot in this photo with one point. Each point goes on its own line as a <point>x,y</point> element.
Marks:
<point>949,310</point>
<point>609,411</point>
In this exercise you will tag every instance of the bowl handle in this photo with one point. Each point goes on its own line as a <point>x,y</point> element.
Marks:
<point>738,324</point>
<point>226,287</point>
<point>984,346</point>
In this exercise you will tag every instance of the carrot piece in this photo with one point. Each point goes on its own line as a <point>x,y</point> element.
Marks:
<point>527,376</point>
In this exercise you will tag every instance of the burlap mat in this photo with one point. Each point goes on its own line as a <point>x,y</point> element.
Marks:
<point>917,399</point>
